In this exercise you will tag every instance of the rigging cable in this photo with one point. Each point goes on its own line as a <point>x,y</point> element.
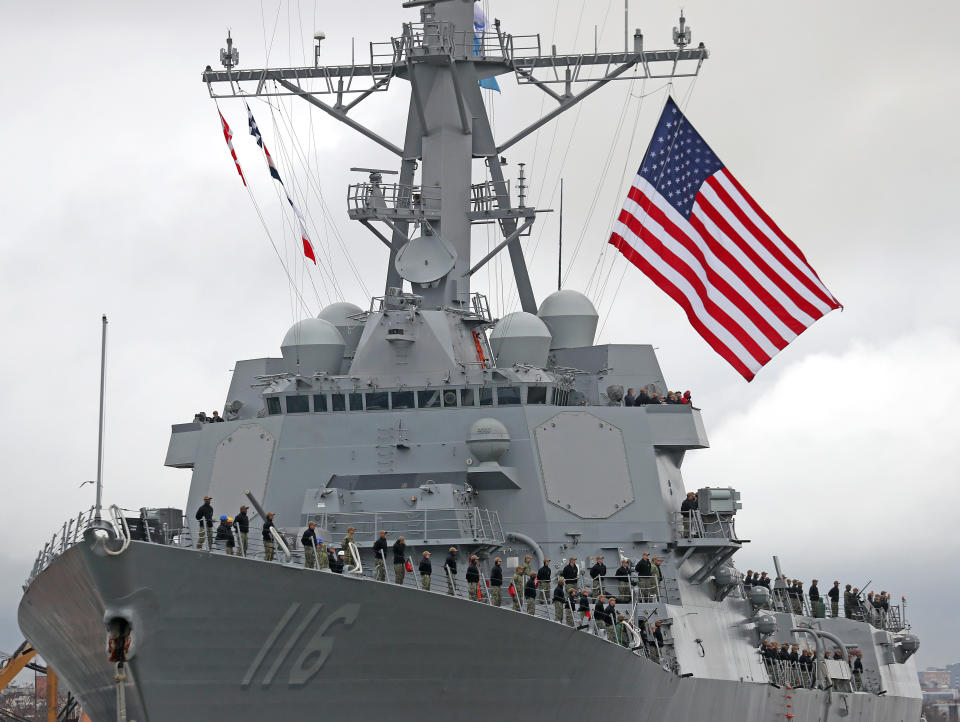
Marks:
<point>683,106</point>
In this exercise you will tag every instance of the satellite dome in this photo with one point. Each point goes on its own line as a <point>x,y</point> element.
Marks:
<point>313,346</point>
<point>488,440</point>
<point>339,314</point>
<point>520,338</point>
<point>571,318</point>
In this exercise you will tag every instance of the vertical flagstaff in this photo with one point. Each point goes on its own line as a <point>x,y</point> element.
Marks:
<point>103,368</point>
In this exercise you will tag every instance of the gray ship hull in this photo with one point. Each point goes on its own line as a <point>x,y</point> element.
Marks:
<point>218,637</point>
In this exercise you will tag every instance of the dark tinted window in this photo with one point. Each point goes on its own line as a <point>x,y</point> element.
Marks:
<point>338,402</point>
<point>428,399</point>
<point>536,394</point>
<point>486,396</point>
<point>319,402</point>
<point>356,402</point>
<point>273,405</point>
<point>401,400</point>
<point>376,401</point>
<point>298,404</point>
<point>467,397</point>
<point>508,395</point>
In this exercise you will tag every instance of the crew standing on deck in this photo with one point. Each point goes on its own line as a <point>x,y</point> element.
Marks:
<point>345,546</point>
<point>543,581</point>
<point>225,533</point>
<point>309,541</point>
<point>530,594</point>
<point>267,537</point>
<point>516,584</point>
<point>560,602</point>
<point>426,571</point>
<point>644,571</point>
<point>473,577</point>
<point>399,560</point>
<point>656,574</point>
<point>242,522</point>
<point>323,555</point>
<point>687,508</point>
<point>205,517</point>
<point>496,583</point>
<point>623,580</point>
<point>597,572</point>
<point>599,613</point>
<point>834,595</point>
<point>450,569</point>
<point>571,575</point>
<point>380,556</point>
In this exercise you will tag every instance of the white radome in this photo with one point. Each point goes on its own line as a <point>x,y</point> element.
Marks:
<point>571,318</point>
<point>520,338</point>
<point>313,346</point>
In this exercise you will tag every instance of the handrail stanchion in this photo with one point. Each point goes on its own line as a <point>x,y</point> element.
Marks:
<point>416,572</point>
<point>278,540</point>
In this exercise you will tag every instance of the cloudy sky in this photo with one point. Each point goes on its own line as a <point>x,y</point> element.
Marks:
<point>118,197</point>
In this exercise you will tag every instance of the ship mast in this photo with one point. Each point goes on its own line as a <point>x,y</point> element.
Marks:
<point>444,57</point>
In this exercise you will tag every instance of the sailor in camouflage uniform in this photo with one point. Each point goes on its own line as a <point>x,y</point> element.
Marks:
<point>345,546</point>
<point>517,583</point>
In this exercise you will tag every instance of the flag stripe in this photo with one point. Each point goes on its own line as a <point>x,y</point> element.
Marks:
<point>720,217</point>
<point>746,229</point>
<point>719,233</point>
<point>635,257</point>
<point>683,278</point>
<point>722,270</point>
<point>766,225</point>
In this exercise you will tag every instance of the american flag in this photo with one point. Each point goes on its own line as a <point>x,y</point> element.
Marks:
<point>693,229</point>
<point>228,136</point>
<point>275,174</point>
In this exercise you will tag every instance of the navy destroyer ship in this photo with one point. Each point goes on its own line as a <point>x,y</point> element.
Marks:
<point>421,415</point>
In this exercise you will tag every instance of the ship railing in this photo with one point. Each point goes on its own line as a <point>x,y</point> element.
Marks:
<point>422,527</point>
<point>693,525</point>
<point>891,620</point>
<point>641,589</point>
<point>441,37</point>
<point>367,199</point>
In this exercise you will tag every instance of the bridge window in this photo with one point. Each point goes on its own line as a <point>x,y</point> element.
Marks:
<point>273,406</point>
<point>508,395</point>
<point>486,396</point>
<point>468,397</point>
<point>429,399</point>
<point>356,402</point>
<point>338,402</point>
<point>376,401</point>
<point>400,400</point>
<point>319,402</point>
<point>536,394</point>
<point>298,404</point>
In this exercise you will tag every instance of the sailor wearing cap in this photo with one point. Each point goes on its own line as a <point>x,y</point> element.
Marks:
<point>496,583</point>
<point>426,571</point>
<point>323,556</point>
<point>267,538</point>
<point>205,517</point>
<point>345,545</point>
<point>225,533</point>
<point>309,542</point>
<point>242,522</point>
<point>450,569</point>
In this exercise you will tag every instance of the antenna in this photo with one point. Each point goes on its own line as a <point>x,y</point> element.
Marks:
<point>560,244</point>
<point>231,56</point>
<point>103,369</point>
